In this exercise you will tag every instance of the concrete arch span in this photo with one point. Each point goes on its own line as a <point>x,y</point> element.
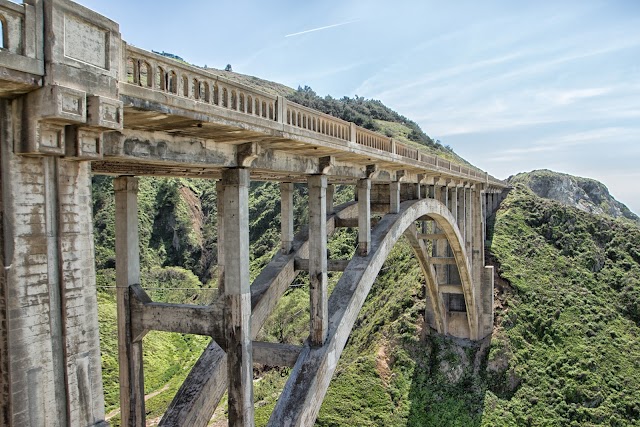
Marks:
<point>302,396</point>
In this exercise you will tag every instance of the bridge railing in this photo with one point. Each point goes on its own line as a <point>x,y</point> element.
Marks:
<point>314,121</point>
<point>160,73</point>
<point>171,76</point>
<point>373,139</point>
<point>21,36</point>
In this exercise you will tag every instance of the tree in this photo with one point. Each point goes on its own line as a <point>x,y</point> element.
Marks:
<point>228,68</point>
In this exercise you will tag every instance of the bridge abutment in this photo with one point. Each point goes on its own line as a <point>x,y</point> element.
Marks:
<point>51,374</point>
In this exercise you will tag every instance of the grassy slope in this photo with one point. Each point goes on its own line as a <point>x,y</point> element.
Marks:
<point>568,340</point>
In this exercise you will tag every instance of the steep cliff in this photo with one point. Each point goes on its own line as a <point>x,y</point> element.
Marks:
<point>583,193</point>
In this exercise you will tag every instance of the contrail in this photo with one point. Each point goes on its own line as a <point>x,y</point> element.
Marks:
<point>321,28</point>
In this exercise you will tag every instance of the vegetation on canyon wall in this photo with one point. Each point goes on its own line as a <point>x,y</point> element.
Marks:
<point>565,350</point>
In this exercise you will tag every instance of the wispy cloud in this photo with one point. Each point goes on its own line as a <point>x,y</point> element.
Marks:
<point>322,28</point>
<point>562,142</point>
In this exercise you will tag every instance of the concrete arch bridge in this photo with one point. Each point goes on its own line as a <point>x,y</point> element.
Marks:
<point>76,100</point>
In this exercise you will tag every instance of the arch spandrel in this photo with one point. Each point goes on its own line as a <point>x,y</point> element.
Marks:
<point>301,398</point>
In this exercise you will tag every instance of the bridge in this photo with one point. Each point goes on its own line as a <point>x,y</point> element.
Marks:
<point>76,100</point>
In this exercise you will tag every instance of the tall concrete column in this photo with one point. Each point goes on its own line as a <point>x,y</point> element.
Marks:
<point>364,217</point>
<point>394,197</point>
<point>220,242</point>
<point>460,213</point>
<point>453,202</point>
<point>128,273</point>
<point>318,258</point>
<point>238,297</point>
<point>440,246</point>
<point>286,216</point>
<point>468,229</point>
<point>330,192</point>
<point>478,236</point>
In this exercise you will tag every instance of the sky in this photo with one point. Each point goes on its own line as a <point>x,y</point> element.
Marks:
<point>511,86</point>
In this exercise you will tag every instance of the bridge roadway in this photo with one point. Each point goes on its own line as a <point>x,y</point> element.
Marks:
<point>76,100</point>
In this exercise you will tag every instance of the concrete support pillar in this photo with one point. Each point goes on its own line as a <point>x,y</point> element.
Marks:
<point>330,192</point>
<point>418,191</point>
<point>220,227</point>
<point>453,202</point>
<point>318,259</point>
<point>478,236</point>
<point>445,196</point>
<point>460,212</point>
<point>364,217</point>
<point>238,297</point>
<point>468,229</point>
<point>286,216</point>
<point>394,197</point>
<point>440,246</point>
<point>128,274</point>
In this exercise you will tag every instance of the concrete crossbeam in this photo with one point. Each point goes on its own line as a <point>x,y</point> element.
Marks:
<point>302,264</point>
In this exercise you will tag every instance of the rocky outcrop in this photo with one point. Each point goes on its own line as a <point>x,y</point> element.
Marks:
<point>583,193</point>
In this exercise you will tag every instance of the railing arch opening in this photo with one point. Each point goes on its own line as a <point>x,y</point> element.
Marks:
<point>205,92</point>
<point>160,79</point>
<point>132,71</point>
<point>172,82</point>
<point>216,94</point>
<point>195,89</point>
<point>4,33</point>
<point>234,100</point>
<point>146,74</point>
<point>185,86</point>
<point>225,97</point>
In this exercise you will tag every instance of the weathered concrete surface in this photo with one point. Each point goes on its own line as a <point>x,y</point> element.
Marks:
<point>205,385</point>
<point>237,296</point>
<point>435,309</point>
<point>4,343</point>
<point>364,216</point>
<point>302,396</point>
<point>49,284</point>
<point>318,292</point>
<point>130,362</point>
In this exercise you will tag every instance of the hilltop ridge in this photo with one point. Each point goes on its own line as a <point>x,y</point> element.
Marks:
<point>585,194</point>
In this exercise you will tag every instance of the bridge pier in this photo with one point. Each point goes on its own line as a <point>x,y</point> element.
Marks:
<point>237,312</point>
<point>364,216</point>
<point>50,370</point>
<point>318,259</point>
<point>286,216</point>
<point>132,409</point>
